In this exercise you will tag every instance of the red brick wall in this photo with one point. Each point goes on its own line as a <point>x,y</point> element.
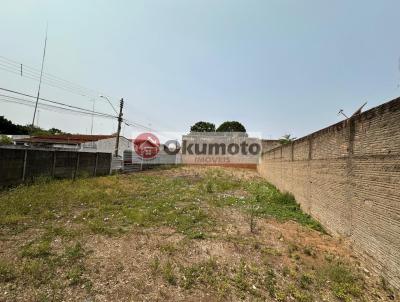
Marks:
<point>348,177</point>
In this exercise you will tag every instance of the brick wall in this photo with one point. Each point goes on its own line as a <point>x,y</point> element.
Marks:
<point>348,177</point>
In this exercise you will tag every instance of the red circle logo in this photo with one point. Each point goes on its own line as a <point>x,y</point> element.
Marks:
<point>146,145</point>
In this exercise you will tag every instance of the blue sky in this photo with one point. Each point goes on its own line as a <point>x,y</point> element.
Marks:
<point>276,66</point>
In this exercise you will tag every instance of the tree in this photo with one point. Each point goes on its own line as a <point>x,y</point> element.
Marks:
<point>5,140</point>
<point>55,131</point>
<point>8,127</point>
<point>231,126</point>
<point>203,127</point>
<point>286,139</point>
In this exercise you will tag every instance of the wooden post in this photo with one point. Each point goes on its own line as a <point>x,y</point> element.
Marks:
<point>95,165</point>
<point>53,169</point>
<point>24,166</point>
<point>111,157</point>
<point>77,165</point>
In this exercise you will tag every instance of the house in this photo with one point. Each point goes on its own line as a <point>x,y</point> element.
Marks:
<point>77,142</point>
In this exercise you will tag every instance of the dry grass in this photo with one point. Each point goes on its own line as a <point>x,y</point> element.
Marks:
<point>184,234</point>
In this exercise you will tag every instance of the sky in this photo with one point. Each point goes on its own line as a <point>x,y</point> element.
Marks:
<point>277,66</point>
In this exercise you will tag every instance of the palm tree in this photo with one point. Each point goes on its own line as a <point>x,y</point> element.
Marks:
<point>286,139</point>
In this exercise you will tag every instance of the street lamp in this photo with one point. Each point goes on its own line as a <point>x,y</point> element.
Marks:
<point>121,105</point>
<point>108,100</point>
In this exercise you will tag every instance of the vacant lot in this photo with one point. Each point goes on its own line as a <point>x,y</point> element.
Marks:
<point>183,234</point>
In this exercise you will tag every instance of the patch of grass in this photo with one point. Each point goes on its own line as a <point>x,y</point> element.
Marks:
<point>74,252</point>
<point>200,273</point>
<point>64,212</point>
<point>286,271</point>
<point>344,283</point>
<point>269,201</point>
<point>74,275</point>
<point>37,271</point>
<point>240,279</point>
<point>281,206</point>
<point>155,265</point>
<point>209,187</point>
<point>302,296</point>
<point>168,248</point>
<point>270,281</point>
<point>306,280</point>
<point>310,251</point>
<point>7,271</point>
<point>169,274</point>
<point>37,249</point>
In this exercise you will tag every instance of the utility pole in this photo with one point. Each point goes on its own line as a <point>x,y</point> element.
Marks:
<point>91,128</point>
<point>121,105</point>
<point>40,79</point>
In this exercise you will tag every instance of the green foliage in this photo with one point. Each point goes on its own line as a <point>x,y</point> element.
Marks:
<point>305,281</point>
<point>344,283</point>
<point>203,127</point>
<point>282,206</point>
<point>74,275</point>
<point>231,126</point>
<point>270,280</point>
<point>5,140</point>
<point>8,127</point>
<point>168,273</point>
<point>38,249</point>
<point>200,273</point>
<point>74,252</point>
<point>286,139</point>
<point>55,131</point>
<point>7,271</point>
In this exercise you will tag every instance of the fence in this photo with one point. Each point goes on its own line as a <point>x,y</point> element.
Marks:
<point>348,177</point>
<point>18,165</point>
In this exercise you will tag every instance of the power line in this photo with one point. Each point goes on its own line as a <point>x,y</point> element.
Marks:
<point>58,103</point>
<point>36,71</point>
<point>33,76</point>
<point>140,126</point>
<point>73,109</point>
<point>49,79</point>
<point>29,103</point>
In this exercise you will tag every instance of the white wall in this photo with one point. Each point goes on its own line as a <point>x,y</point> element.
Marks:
<point>107,145</point>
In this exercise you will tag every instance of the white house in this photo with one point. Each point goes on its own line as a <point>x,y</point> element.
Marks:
<point>78,142</point>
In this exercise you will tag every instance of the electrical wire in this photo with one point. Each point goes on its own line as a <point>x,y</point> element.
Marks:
<point>67,107</point>
<point>53,108</point>
<point>32,73</point>
<point>58,103</point>
<point>49,79</point>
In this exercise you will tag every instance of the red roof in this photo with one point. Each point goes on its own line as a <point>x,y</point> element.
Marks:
<point>65,138</point>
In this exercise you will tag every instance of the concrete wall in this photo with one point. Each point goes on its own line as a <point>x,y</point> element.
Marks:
<point>348,177</point>
<point>108,146</point>
<point>18,165</point>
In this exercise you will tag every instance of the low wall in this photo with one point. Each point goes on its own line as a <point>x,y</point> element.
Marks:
<point>348,177</point>
<point>18,165</point>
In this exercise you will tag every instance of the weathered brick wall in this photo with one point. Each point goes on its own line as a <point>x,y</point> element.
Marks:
<point>348,177</point>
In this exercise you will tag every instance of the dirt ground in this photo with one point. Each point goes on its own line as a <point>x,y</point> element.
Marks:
<point>279,260</point>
